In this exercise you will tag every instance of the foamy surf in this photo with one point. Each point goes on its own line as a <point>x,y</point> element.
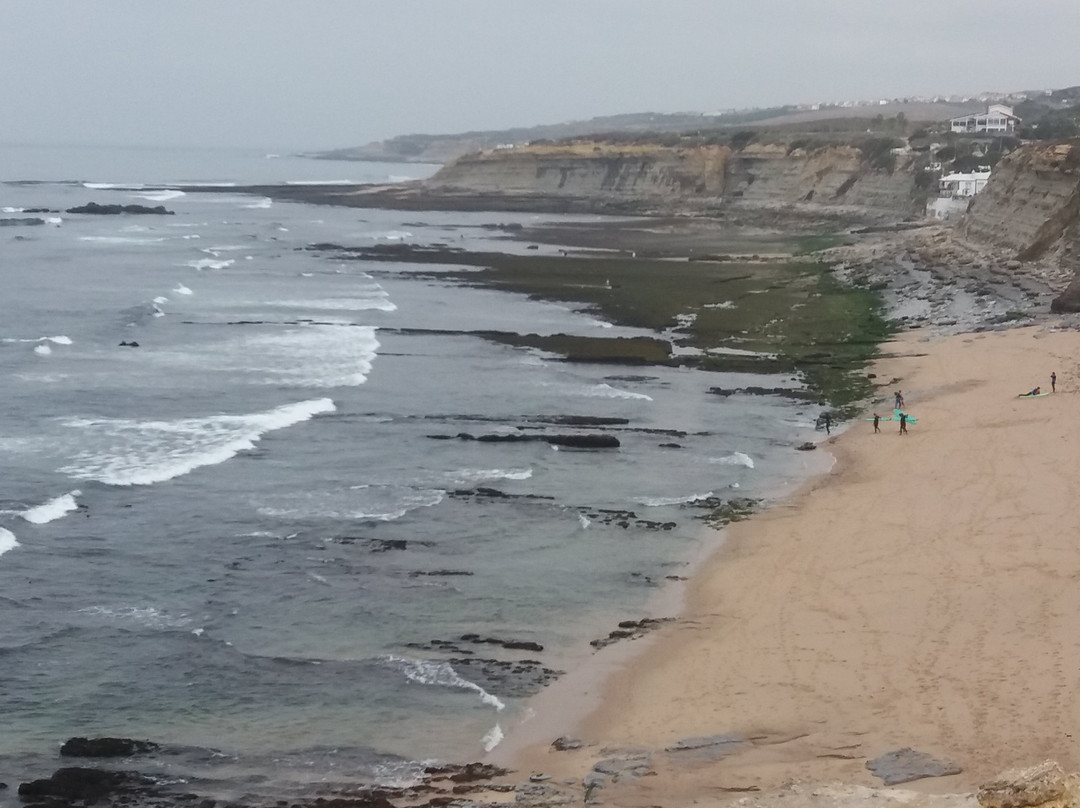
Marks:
<point>373,503</point>
<point>53,509</point>
<point>7,541</point>
<point>734,459</point>
<point>147,452</point>
<point>655,502</point>
<point>492,738</point>
<point>607,391</point>
<point>209,263</point>
<point>441,674</point>
<point>182,290</point>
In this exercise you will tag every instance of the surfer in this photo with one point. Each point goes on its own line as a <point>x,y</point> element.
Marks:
<point>1053,381</point>
<point>1035,392</point>
<point>826,419</point>
<point>877,419</point>
<point>903,423</point>
<point>898,403</point>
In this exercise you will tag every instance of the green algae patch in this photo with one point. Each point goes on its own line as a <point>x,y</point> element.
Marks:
<point>761,316</point>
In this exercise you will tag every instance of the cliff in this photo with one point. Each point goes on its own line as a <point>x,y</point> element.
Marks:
<point>873,177</point>
<point>1031,207</point>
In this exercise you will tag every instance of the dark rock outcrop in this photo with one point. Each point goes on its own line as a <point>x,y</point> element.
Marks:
<point>112,210</point>
<point>106,747</point>
<point>569,441</point>
<point>75,784</point>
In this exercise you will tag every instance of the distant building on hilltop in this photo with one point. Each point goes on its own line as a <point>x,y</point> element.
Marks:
<point>997,120</point>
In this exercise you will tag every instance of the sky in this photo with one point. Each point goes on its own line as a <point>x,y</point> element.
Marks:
<point>321,74</point>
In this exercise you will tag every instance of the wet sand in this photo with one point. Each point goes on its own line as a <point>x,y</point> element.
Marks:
<point>925,593</point>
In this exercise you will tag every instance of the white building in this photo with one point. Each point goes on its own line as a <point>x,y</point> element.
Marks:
<point>962,185</point>
<point>997,120</point>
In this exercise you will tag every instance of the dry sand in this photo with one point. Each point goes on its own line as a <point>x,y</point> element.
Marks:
<point>925,594</point>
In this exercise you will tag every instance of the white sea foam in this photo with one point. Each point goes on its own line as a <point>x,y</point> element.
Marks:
<point>42,350</point>
<point>60,340</point>
<point>726,304</point>
<point>607,391</point>
<point>12,210</point>
<point>113,186</point>
<point>390,235</point>
<point>147,616</point>
<point>56,220</point>
<point>654,502</point>
<point>311,356</point>
<point>734,459</point>
<point>463,476</point>
<point>583,520</point>
<point>265,202</point>
<point>53,509</point>
<point>378,301</point>
<point>7,541</point>
<point>368,502</point>
<point>441,674</point>
<point>182,290</point>
<point>146,452</point>
<point>160,196</point>
<point>209,263</point>
<point>121,239</point>
<point>492,738</point>
<point>161,299</point>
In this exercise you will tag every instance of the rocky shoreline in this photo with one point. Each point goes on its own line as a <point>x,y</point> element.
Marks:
<point>928,277</point>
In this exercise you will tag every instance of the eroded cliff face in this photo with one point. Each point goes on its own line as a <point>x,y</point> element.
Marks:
<point>688,177</point>
<point>590,169</point>
<point>832,176</point>
<point>1031,206</point>
<point>1031,203</point>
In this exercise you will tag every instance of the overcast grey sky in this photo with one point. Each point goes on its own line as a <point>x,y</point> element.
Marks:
<point>311,74</point>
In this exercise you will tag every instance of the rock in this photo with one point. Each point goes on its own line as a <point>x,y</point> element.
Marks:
<point>112,210</point>
<point>106,747</point>
<point>131,344</point>
<point>564,743</point>
<point>1019,788</point>
<point>905,765</point>
<point>76,783</point>
<point>806,447</point>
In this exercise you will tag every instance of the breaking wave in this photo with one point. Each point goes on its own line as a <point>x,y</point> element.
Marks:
<point>440,674</point>
<point>53,509</point>
<point>146,452</point>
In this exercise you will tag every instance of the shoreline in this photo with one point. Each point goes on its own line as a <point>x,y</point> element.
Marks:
<point>907,599</point>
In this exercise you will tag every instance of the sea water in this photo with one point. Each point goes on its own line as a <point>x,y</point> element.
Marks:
<point>224,523</point>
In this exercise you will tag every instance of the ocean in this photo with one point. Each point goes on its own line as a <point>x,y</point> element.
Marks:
<point>225,525</point>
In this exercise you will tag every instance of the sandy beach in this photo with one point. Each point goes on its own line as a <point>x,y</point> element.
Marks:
<point>925,593</point>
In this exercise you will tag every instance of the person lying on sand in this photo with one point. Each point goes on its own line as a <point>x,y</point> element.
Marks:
<point>1034,392</point>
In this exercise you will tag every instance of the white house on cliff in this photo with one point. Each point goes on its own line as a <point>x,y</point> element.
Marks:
<point>997,120</point>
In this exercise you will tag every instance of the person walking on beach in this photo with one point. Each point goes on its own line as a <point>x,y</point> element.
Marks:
<point>898,402</point>
<point>1053,381</point>
<point>827,420</point>
<point>903,423</point>
<point>877,419</point>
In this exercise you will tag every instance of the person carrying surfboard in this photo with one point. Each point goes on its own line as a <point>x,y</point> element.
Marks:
<point>903,423</point>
